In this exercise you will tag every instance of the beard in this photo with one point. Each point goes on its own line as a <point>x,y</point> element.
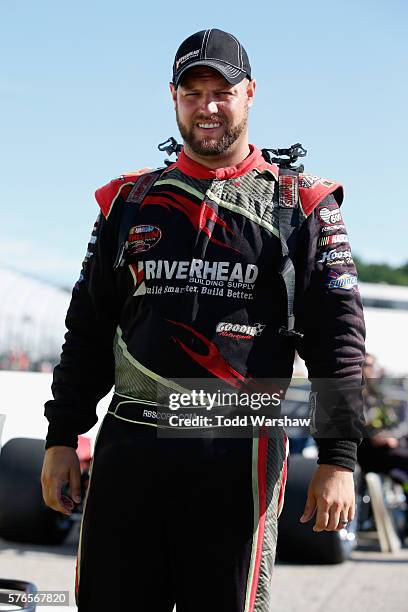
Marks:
<point>212,146</point>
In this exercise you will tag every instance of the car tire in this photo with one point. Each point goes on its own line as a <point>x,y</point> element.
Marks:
<point>24,517</point>
<point>297,542</point>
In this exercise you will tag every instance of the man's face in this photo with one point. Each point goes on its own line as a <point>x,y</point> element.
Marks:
<point>211,113</point>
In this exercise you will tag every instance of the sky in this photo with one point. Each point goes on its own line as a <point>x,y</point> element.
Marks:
<point>84,97</point>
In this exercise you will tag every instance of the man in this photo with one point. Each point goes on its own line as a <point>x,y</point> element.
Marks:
<point>195,294</point>
<point>381,450</point>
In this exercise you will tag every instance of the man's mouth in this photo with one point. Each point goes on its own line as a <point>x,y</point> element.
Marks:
<point>209,126</point>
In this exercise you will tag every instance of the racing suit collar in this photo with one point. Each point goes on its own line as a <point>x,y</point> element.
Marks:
<point>195,170</point>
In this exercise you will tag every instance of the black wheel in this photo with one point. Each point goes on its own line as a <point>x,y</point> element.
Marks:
<point>17,587</point>
<point>297,542</point>
<point>24,517</point>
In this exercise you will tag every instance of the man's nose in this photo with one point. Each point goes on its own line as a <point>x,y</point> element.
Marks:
<point>209,105</point>
<point>212,107</point>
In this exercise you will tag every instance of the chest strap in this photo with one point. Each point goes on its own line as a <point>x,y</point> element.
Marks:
<point>132,204</point>
<point>288,220</point>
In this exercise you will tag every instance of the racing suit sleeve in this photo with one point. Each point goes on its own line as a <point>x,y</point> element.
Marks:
<point>330,315</point>
<point>85,373</point>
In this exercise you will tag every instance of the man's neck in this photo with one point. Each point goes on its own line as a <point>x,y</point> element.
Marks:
<point>230,158</point>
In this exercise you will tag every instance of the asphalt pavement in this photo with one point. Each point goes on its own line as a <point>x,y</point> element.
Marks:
<point>371,581</point>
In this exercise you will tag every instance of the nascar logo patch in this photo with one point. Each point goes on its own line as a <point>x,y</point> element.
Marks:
<point>334,239</point>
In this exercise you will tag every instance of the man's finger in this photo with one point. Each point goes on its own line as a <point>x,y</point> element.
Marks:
<point>67,504</point>
<point>55,500</point>
<point>310,508</point>
<point>343,521</point>
<point>75,484</point>
<point>334,517</point>
<point>322,516</point>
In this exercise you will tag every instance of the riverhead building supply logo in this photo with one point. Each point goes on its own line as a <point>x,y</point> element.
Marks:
<point>215,278</point>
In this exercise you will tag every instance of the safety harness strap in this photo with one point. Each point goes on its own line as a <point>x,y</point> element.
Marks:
<point>132,204</point>
<point>288,220</point>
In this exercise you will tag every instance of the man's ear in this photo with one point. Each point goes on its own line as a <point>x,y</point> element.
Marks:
<point>173,92</point>
<point>251,86</point>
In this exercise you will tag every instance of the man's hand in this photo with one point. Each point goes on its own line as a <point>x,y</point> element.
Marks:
<point>60,467</point>
<point>331,493</point>
<point>382,439</point>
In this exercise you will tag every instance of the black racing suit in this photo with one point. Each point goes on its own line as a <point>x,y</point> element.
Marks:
<point>194,521</point>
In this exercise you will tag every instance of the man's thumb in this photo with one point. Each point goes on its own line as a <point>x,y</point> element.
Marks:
<point>308,511</point>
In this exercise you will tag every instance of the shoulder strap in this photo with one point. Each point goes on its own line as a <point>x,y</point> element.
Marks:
<point>288,223</point>
<point>288,220</point>
<point>133,202</point>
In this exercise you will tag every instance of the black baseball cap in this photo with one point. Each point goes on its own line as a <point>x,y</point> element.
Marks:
<point>216,49</point>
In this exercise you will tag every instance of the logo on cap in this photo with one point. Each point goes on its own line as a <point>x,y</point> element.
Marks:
<point>190,55</point>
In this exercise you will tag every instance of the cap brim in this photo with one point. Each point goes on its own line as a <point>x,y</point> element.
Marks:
<point>231,74</point>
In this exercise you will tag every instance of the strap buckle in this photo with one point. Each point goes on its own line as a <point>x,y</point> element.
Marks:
<point>170,146</point>
<point>292,153</point>
<point>290,333</point>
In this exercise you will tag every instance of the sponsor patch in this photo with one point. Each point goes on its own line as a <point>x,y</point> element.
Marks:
<point>307,180</point>
<point>333,239</point>
<point>287,191</point>
<point>239,331</point>
<point>332,228</point>
<point>327,183</point>
<point>341,281</point>
<point>142,238</point>
<point>329,217</point>
<point>336,256</point>
<point>338,262</point>
<point>198,270</point>
<point>210,278</point>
